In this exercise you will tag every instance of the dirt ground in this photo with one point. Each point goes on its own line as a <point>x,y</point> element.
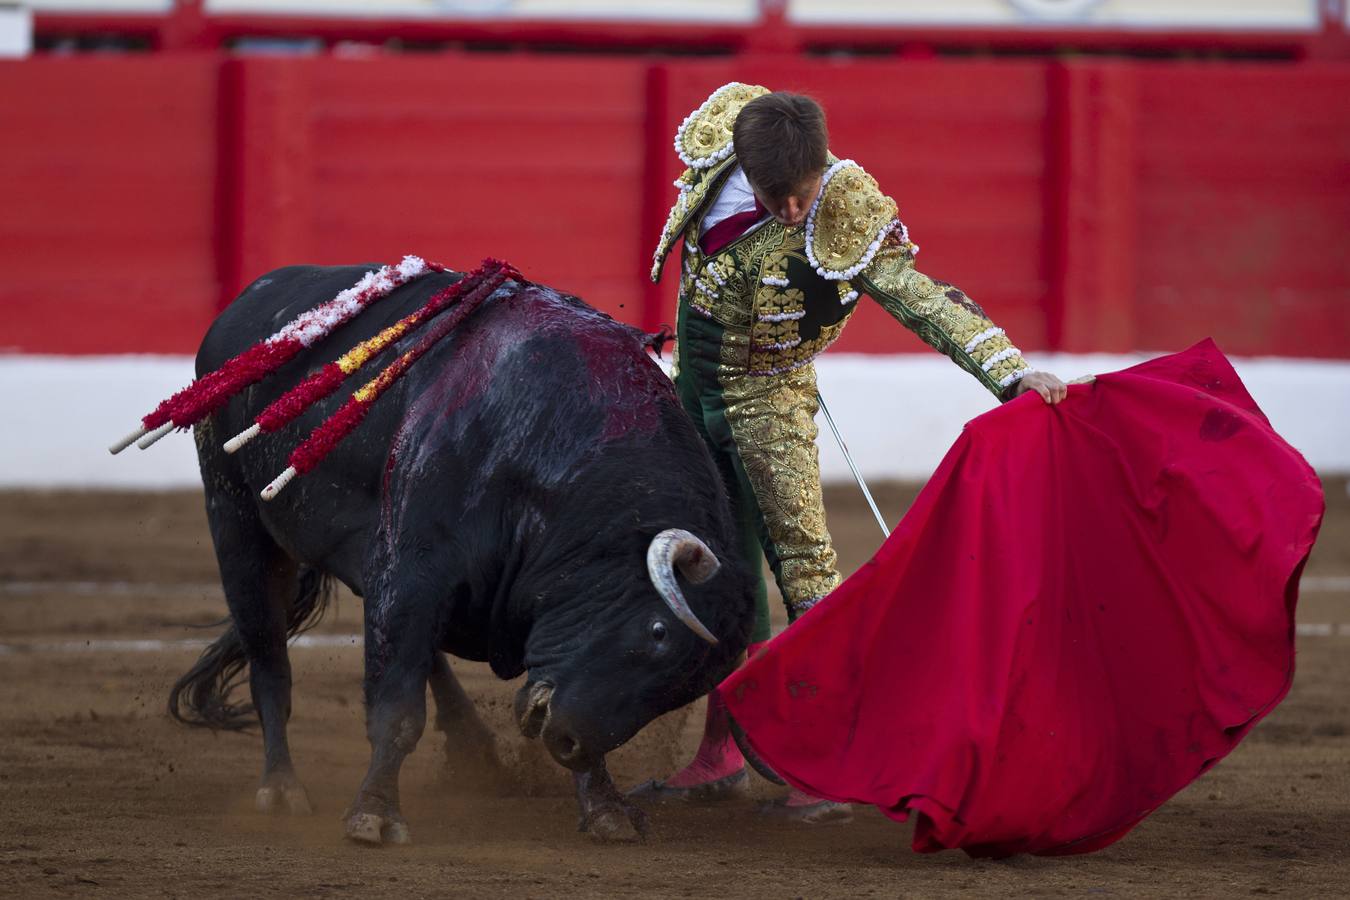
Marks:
<point>101,793</point>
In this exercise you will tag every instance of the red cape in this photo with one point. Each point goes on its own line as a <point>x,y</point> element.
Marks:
<point>1087,607</point>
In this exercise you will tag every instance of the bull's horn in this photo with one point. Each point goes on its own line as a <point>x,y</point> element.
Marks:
<point>677,547</point>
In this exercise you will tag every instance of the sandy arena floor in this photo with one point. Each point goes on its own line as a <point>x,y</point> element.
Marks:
<point>102,595</point>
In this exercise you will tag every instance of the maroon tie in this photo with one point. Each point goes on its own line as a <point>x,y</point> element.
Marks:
<point>730,228</point>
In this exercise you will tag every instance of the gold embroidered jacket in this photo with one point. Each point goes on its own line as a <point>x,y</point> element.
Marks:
<point>793,289</point>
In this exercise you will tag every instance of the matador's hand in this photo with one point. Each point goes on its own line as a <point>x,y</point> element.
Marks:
<point>1051,389</point>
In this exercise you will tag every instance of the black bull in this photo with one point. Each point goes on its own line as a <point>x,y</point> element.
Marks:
<point>501,503</point>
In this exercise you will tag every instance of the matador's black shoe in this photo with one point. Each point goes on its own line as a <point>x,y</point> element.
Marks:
<point>817,813</point>
<point>730,787</point>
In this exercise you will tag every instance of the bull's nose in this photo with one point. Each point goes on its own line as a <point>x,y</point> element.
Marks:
<point>564,747</point>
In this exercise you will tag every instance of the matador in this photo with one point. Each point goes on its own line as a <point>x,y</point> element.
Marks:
<point>778,240</point>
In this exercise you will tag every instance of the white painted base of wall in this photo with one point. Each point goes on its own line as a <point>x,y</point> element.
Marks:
<point>899,414</point>
<point>16,30</point>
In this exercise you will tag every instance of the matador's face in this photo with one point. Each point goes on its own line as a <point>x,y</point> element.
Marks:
<point>792,209</point>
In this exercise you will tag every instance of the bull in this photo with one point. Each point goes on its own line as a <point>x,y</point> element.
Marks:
<point>530,495</point>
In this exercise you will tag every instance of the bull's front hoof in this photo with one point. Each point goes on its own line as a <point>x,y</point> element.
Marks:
<point>615,824</point>
<point>287,796</point>
<point>368,828</point>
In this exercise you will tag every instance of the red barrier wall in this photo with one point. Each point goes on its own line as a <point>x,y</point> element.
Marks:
<point>537,161</point>
<point>107,204</point>
<point>1244,207</point>
<point>1108,205</point>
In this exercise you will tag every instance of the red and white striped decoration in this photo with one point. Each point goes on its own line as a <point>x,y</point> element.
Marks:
<point>210,392</point>
<point>289,406</point>
<point>470,291</point>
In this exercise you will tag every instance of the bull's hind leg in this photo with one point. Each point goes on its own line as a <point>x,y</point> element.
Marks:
<point>261,582</point>
<point>470,747</point>
<point>400,657</point>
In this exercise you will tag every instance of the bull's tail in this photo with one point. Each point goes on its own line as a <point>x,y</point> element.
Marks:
<point>202,696</point>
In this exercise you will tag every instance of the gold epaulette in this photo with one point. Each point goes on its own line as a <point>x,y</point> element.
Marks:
<point>848,222</point>
<point>703,140</point>
<point>704,137</point>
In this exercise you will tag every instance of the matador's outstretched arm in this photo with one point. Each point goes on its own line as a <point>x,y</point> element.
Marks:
<point>943,316</point>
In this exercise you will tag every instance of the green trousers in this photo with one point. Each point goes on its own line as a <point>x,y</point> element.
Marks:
<point>761,433</point>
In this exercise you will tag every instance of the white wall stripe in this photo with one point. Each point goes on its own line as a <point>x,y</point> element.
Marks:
<point>899,413</point>
<point>117,588</point>
<point>356,641</point>
<point>133,645</point>
<point>1331,584</point>
<point>1311,584</point>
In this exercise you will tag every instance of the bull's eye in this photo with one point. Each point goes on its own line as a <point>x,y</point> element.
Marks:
<point>658,631</point>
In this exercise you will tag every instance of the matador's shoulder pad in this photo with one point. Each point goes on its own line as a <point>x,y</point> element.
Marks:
<point>704,137</point>
<point>848,222</point>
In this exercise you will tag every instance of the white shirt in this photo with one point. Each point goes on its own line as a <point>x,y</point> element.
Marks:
<point>735,197</point>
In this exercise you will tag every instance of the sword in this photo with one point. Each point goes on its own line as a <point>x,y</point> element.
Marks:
<point>856,474</point>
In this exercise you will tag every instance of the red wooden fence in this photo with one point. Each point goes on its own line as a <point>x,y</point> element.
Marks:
<point>1090,205</point>
<point>107,204</point>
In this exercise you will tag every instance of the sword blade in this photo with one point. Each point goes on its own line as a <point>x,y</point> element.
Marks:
<point>852,467</point>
